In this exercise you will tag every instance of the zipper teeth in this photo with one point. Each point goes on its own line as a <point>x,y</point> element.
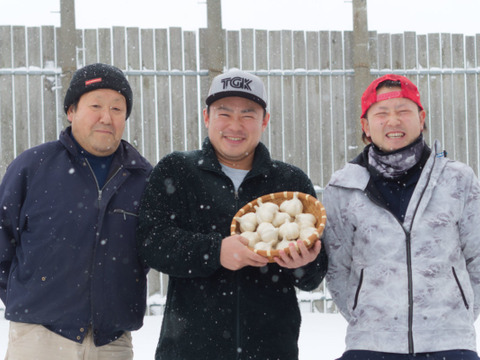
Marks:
<point>100,191</point>
<point>237,318</point>
<point>95,247</point>
<point>410,291</point>
<point>409,260</point>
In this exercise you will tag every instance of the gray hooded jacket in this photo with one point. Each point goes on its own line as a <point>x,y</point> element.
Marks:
<point>406,288</point>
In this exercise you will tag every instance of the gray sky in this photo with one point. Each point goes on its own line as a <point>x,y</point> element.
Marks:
<point>385,16</point>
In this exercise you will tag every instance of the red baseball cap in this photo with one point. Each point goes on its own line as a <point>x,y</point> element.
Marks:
<point>409,91</point>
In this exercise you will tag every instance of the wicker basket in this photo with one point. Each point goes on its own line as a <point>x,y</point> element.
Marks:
<point>310,205</point>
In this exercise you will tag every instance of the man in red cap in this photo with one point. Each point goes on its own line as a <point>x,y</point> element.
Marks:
<point>402,237</point>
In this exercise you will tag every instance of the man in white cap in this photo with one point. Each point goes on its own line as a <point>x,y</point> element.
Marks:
<point>225,301</point>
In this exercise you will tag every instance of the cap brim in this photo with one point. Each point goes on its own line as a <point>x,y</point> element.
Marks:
<point>220,95</point>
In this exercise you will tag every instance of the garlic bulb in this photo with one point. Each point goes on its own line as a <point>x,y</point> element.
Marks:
<point>263,246</point>
<point>265,212</point>
<point>280,218</point>
<point>252,237</point>
<point>264,226</point>
<point>289,231</point>
<point>306,232</point>
<point>293,206</point>
<point>270,236</point>
<point>248,222</point>
<point>283,244</point>
<point>267,232</point>
<point>305,220</point>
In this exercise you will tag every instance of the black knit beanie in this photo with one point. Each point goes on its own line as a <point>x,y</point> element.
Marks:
<point>98,76</point>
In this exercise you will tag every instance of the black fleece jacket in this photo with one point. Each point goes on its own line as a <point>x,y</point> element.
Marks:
<point>212,312</point>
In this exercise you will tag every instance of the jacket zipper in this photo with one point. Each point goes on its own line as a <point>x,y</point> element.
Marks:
<point>237,281</point>
<point>408,246</point>
<point>99,198</point>
<point>408,249</point>
<point>100,191</point>
<point>408,242</point>
<point>238,348</point>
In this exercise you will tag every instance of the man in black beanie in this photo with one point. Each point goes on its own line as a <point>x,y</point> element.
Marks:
<point>70,278</point>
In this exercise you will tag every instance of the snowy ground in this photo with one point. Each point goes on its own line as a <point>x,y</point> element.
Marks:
<point>321,337</point>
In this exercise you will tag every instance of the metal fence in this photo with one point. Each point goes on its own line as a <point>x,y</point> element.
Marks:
<point>309,77</point>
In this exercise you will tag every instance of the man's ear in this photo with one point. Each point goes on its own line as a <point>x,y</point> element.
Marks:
<point>206,117</point>
<point>265,121</point>
<point>422,115</point>
<point>70,112</point>
<point>365,126</point>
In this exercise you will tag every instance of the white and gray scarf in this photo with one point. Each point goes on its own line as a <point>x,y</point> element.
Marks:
<point>394,164</point>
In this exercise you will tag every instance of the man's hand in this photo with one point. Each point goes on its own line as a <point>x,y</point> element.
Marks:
<point>295,259</point>
<point>234,254</point>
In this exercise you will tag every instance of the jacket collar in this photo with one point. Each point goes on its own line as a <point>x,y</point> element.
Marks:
<point>125,155</point>
<point>261,161</point>
<point>356,176</point>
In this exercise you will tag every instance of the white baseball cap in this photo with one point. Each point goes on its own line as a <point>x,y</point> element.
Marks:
<point>237,83</point>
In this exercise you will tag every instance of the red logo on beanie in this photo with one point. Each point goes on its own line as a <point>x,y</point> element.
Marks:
<point>93,81</point>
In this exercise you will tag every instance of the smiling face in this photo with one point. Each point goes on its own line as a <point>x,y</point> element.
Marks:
<point>98,121</point>
<point>235,126</point>
<point>394,123</point>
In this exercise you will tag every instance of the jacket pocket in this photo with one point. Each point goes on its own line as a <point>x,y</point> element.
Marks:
<point>125,213</point>
<point>357,293</point>
<point>462,294</point>
<point>24,225</point>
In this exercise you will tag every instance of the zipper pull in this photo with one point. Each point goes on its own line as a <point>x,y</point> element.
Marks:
<point>99,194</point>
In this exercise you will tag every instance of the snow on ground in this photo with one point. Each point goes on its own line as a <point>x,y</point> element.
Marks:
<point>321,337</point>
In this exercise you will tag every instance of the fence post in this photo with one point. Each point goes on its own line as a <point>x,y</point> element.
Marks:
<point>215,51</point>
<point>66,46</point>
<point>361,62</point>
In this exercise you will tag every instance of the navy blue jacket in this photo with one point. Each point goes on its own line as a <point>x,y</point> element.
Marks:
<point>67,248</point>
<point>212,312</point>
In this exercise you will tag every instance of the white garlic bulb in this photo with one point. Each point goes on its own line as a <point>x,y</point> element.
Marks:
<point>248,222</point>
<point>252,237</point>
<point>289,231</point>
<point>305,220</point>
<point>265,212</point>
<point>263,246</point>
<point>285,243</point>
<point>280,218</point>
<point>267,232</point>
<point>306,232</point>
<point>270,236</point>
<point>264,226</point>
<point>293,206</point>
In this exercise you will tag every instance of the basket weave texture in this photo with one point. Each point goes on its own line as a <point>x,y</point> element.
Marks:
<point>310,205</point>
